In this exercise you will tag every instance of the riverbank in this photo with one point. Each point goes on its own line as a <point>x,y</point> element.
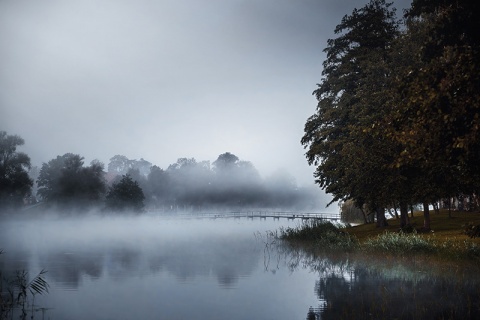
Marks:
<point>445,227</point>
<point>446,240</point>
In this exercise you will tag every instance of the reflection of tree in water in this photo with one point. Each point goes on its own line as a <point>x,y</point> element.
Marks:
<point>351,287</point>
<point>227,259</point>
<point>68,268</point>
<point>369,292</point>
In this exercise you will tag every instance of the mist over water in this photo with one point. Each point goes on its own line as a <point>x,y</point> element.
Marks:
<point>150,267</point>
<point>186,267</point>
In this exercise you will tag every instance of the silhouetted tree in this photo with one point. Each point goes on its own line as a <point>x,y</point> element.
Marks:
<point>351,161</point>
<point>15,183</point>
<point>64,180</point>
<point>125,195</point>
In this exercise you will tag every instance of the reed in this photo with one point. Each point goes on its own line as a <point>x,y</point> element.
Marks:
<point>323,234</point>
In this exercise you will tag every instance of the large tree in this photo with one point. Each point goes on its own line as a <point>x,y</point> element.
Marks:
<point>350,159</point>
<point>15,183</point>
<point>64,180</point>
<point>435,101</point>
<point>444,92</point>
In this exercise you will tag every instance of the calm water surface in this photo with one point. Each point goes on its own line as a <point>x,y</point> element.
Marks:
<point>168,268</point>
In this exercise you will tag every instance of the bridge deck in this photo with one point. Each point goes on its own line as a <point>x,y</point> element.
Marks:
<point>266,214</point>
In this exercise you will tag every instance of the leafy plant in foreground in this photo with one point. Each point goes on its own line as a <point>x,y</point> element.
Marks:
<point>15,292</point>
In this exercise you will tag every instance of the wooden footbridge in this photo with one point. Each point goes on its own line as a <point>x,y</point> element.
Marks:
<point>267,214</point>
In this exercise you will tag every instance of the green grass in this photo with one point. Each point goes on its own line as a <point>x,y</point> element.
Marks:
<point>399,243</point>
<point>443,226</point>
<point>447,239</point>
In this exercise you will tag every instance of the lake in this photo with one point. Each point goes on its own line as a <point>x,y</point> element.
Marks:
<point>153,267</point>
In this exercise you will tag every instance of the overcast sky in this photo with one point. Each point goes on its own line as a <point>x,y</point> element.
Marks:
<point>165,79</point>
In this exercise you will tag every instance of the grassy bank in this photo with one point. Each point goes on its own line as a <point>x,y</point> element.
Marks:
<point>446,240</point>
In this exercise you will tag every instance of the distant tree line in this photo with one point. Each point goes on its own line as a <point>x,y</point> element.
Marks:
<point>397,121</point>
<point>138,185</point>
<point>227,183</point>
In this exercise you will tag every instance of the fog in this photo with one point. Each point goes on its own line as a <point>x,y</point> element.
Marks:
<point>120,246</point>
<point>162,80</point>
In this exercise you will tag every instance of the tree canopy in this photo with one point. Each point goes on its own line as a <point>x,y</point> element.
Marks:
<point>187,184</point>
<point>397,120</point>
<point>15,183</point>
<point>350,161</point>
<point>65,181</point>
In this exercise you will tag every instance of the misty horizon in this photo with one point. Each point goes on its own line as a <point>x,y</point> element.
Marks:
<point>188,185</point>
<point>161,80</point>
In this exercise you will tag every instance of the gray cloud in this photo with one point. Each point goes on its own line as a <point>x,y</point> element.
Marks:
<point>164,79</point>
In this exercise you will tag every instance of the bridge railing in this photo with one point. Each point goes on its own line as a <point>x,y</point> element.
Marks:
<point>270,214</point>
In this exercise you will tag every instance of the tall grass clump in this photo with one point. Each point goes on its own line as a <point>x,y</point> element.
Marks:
<point>394,242</point>
<point>454,249</point>
<point>323,234</point>
<point>401,243</point>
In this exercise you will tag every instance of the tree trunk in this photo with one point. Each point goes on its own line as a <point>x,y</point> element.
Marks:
<point>403,214</point>
<point>381,220</point>
<point>411,211</point>
<point>449,208</point>
<point>426,217</point>
<point>396,213</point>
<point>365,215</point>
<point>436,207</point>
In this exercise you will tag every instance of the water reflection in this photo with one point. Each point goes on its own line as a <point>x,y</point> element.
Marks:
<point>68,268</point>
<point>90,249</point>
<point>218,270</point>
<point>355,287</point>
<point>225,259</point>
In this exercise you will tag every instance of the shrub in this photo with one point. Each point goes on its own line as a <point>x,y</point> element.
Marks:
<point>471,230</point>
<point>125,195</point>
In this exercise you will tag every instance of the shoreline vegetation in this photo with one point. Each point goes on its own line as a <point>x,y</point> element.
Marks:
<point>448,239</point>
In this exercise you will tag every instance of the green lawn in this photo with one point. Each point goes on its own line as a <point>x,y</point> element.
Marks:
<point>443,226</point>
